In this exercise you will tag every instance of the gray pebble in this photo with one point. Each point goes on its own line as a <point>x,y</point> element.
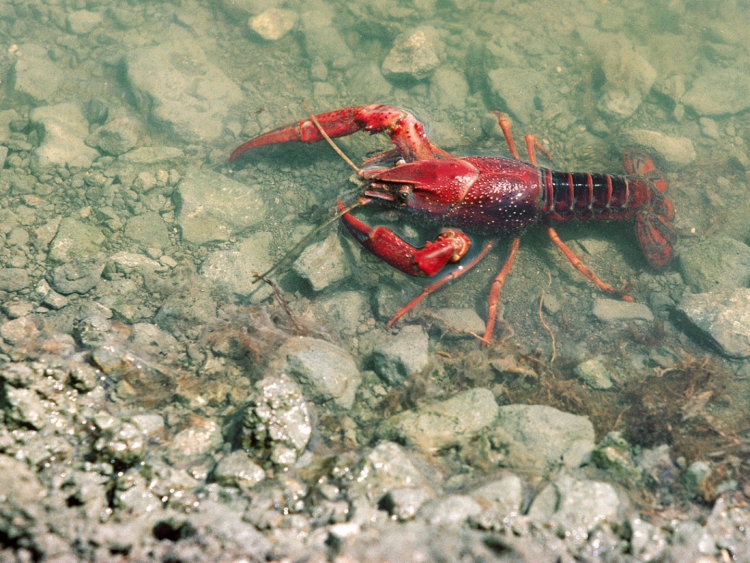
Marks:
<point>613,310</point>
<point>402,355</point>
<point>238,470</point>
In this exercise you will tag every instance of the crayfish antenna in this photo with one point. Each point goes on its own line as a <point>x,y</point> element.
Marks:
<point>291,254</point>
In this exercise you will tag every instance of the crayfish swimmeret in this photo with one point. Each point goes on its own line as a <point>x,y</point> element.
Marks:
<point>483,195</point>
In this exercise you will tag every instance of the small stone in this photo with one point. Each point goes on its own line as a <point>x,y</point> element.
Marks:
<point>273,24</point>
<point>148,229</point>
<point>413,55</point>
<point>709,128</point>
<point>461,322</point>
<point>25,408</point>
<point>82,22</point>
<point>387,467</point>
<point>237,470</point>
<point>13,279</point>
<point>715,264</point>
<point>187,307</point>
<point>450,509</point>
<point>79,276</point>
<point>17,237</point>
<point>574,508</point>
<point>696,477</point>
<point>123,442</point>
<point>35,74</point>
<point>203,437</point>
<point>342,310</point>
<point>129,262</point>
<point>96,111</point>
<point>74,240</point>
<point>445,423</point>
<point>65,129</point>
<point>511,87</point>
<point>22,330</point>
<point>15,309</point>
<point>177,86</point>
<point>648,542</point>
<point>55,300</point>
<point>233,271</point>
<point>277,426</point>
<point>506,494</point>
<point>674,152</point>
<point>93,330</point>
<point>84,377</point>
<point>613,310</point>
<point>613,454</point>
<point>212,207</point>
<point>594,373</point>
<point>22,495</point>
<point>628,75</point>
<point>539,437</point>
<point>323,264</point>
<point>402,355</point>
<point>719,92</point>
<point>116,137</point>
<point>326,372</point>
<point>722,317</point>
<point>404,503</point>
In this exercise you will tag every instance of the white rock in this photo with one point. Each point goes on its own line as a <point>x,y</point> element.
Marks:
<point>273,24</point>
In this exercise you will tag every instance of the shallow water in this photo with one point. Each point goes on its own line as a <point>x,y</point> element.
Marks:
<point>89,84</point>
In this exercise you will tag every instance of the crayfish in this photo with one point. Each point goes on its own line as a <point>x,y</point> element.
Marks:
<point>483,195</point>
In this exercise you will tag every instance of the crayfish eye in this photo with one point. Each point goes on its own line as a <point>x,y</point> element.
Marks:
<point>404,194</point>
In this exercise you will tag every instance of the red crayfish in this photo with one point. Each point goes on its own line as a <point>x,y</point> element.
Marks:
<point>484,195</point>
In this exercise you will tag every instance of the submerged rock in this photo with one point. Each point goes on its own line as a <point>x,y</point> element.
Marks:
<point>36,75</point>
<point>386,468</point>
<point>273,24</point>
<point>116,137</point>
<point>538,437</point>
<point>719,92</point>
<point>715,264</point>
<point>518,90</point>
<point>629,76</point>
<point>445,423</point>
<point>234,271</point>
<point>574,508</point>
<point>65,129</point>
<point>326,372</point>
<point>212,207</point>
<point>180,88</point>
<point>75,240</point>
<point>402,355</point>
<point>277,425</point>
<point>323,264</point>
<point>722,317</point>
<point>21,492</point>
<point>614,310</point>
<point>13,279</point>
<point>414,55</point>
<point>323,41</point>
<point>674,152</point>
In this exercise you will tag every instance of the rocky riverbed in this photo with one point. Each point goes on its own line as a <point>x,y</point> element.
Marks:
<point>159,403</point>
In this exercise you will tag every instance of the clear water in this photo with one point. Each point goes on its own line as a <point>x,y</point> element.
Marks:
<point>581,75</point>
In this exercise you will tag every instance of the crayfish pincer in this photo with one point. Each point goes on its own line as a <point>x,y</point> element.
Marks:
<point>484,195</point>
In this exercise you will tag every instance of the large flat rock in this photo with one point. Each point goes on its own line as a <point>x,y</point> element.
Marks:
<point>212,207</point>
<point>181,88</point>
